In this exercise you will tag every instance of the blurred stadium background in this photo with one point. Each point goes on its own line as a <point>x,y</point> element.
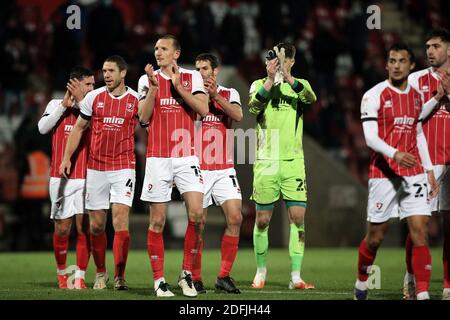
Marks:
<point>337,53</point>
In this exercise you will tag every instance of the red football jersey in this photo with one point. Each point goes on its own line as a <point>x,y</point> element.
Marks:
<point>217,136</point>
<point>171,127</point>
<point>60,133</point>
<point>113,122</point>
<point>435,125</point>
<point>397,113</point>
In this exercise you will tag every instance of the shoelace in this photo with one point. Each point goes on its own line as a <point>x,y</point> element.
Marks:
<point>164,286</point>
<point>188,279</point>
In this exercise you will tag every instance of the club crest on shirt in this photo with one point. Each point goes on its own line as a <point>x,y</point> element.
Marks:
<point>186,85</point>
<point>130,107</point>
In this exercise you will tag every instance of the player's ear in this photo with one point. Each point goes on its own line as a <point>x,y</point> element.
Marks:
<point>177,54</point>
<point>123,73</point>
<point>216,72</point>
<point>412,66</point>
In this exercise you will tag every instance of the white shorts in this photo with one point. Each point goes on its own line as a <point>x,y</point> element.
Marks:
<point>105,187</point>
<point>442,201</point>
<point>162,173</point>
<point>398,197</point>
<point>220,186</point>
<point>67,197</point>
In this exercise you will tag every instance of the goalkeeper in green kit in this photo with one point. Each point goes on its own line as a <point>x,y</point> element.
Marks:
<point>277,101</point>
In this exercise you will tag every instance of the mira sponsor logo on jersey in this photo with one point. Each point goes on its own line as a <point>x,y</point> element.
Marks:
<point>68,128</point>
<point>113,123</point>
<point>170,104</point>
<point>404,122</point>
<point>443,111</point>
<point>213,118</point>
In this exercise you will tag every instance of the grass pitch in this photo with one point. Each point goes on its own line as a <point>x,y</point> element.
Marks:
<point>32,275</point>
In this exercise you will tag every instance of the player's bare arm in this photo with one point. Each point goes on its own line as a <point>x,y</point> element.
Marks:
<point>72,144</point>
<point>198,103</point>
<point>146,105</point>
<point>233,110</point>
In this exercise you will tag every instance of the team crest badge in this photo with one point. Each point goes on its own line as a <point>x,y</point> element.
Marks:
<point>130,107</point>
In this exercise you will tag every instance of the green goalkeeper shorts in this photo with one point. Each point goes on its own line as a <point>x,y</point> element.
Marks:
<point>272,177</point>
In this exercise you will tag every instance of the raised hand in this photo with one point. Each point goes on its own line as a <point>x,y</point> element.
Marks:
<point>405,159</point>
<point>68,100</point>
<point>175,77</point>
<point>272,67</point>
<point>211,87</point>
<point>74,87</point>
<point>151,76</point>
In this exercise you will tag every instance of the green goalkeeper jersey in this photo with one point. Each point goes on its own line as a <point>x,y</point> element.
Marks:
<point>279,129</point>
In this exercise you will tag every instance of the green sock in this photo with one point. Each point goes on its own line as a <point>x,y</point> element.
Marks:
<point>296,246</point>
<point>260,245</point>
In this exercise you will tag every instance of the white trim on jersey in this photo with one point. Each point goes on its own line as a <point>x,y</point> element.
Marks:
<point>86,103</point>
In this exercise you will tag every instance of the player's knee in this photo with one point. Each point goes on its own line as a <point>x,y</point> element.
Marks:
<point>419,236</point>
<point>62,230</point>
<point>262,223</point>
<point>196,215</point>
<point>97,228</point>
<point>374,242</point>
<point>235,220</point>
<point>157,224</point>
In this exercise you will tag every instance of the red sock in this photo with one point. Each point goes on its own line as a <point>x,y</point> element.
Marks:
<point>60,245</point>
<point>421,263</point>
<point>229,250</point>
<point>446,258</point>
<point>155,245</point>
<point>408,254</point>
<point>365,260</point>
<point>191,246</point>
<point>197,265</point>
<point>120,250</point>
<point>83,251</point>
<point>98,249</point>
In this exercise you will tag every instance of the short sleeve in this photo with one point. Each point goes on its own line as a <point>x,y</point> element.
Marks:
<point>143,87</point>
<point>86,104</point>
<point>197,83</point>
<point>369,106</point>
<point>234,96</point>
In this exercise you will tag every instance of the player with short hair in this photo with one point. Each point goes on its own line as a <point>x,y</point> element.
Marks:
<point>219,175</point>
<point>430,81</point>
<point>279,167</point>
<point>177,97</point>
<point>67,195</point>
<point>113,112</point>
<point>391,117</point>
